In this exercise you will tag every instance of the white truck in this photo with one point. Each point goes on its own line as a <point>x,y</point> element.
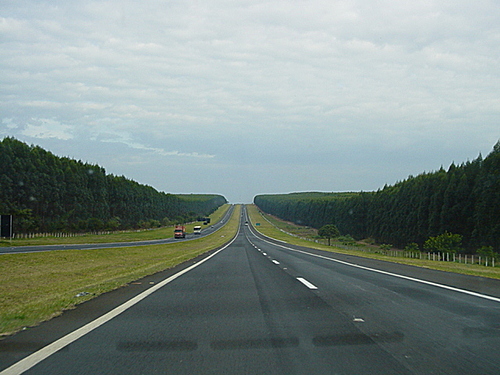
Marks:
<point>197,229</point>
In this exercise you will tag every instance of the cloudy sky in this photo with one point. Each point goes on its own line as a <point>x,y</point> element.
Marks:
<point>243,97</point>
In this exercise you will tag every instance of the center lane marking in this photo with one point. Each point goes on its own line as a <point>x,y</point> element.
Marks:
<point>421,281</point>
<point>307,283</point>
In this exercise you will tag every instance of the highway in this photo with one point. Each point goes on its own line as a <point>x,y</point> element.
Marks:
<point>206,230</point>
<point>264,307</point>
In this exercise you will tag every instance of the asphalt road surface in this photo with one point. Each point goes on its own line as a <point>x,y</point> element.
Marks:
<point>264,307</point>
<point>206,230</point>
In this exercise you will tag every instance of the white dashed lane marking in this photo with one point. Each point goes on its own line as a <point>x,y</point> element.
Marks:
<point>307,283</point>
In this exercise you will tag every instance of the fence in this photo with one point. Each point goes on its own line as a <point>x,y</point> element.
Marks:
<point>71,234</point>
<point>58,235</point>
<point>442,257</point>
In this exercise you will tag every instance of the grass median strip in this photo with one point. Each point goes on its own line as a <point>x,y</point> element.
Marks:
<point>270,229</point>
<point>38,286</point>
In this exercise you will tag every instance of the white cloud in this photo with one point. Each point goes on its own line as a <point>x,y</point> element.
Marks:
<point>164,152</point>
<point>47,128</point>
<point>9,123</point>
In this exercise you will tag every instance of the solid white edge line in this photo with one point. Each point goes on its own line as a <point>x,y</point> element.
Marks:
<point>28,362</point>
<point>475,294</point>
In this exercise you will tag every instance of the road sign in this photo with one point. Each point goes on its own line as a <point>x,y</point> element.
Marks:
<point>6,226</point>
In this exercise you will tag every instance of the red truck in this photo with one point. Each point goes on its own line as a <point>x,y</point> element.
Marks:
<point>180,231</point>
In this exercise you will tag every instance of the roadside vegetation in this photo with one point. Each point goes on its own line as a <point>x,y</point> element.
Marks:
<point>462,200</point>
<point>47,193</point>
<point>294,234</point>
<point>107,237</point>
<point>38,286</point>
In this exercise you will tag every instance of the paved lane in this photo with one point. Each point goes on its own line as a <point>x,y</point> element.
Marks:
<point>257,308</point>
<point>429,321</point>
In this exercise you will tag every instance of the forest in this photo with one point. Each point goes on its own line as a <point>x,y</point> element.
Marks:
<point>463,200</point>
<point>47,193</point>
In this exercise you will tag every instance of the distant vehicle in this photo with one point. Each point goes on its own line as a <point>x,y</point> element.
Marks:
<point>180,231</point>
<point>197,229</point>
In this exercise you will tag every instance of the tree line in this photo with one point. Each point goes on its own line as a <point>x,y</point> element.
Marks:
<point>47,193</point>
<point>463,200</point>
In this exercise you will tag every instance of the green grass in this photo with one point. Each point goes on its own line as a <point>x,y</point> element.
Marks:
<point>143,235</point>
<point>38,286</point>
<point>270,227</point>
<point>295,229</point>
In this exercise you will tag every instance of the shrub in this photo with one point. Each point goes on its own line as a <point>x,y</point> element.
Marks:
<point>412,247</point>
<point>487,251</point>
<point>445,243</point>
